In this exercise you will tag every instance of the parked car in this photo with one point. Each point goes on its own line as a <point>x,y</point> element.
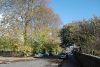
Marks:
<point>38,55</point>
<point>63,56</point>
<point>41,55</point>
<point>45,54</point>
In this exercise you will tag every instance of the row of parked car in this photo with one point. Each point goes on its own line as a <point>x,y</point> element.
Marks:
<point>41,55</point>
<point>63,56</point>
<point>60,55</point>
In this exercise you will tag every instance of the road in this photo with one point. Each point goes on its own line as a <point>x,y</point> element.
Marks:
<point>33,63</point>
<point>70,62</point>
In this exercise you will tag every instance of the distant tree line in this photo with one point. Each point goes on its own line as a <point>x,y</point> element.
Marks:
<point>85,34</point>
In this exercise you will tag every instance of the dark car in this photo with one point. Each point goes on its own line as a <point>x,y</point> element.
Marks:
<point>63,56</point>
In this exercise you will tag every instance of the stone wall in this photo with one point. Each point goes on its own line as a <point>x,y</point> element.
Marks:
<point>87,60</point>
<point>11,54</point>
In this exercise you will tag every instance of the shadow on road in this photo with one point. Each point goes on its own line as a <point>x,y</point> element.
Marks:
<point>70,62</point>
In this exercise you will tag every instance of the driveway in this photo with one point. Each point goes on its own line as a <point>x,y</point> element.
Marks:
<point>33,63</point>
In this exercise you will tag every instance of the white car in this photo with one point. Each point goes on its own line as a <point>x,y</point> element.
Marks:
<point>38,55</point>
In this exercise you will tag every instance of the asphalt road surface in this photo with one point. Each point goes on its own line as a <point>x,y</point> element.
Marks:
<point>70,62</point>
<point>33,63</point>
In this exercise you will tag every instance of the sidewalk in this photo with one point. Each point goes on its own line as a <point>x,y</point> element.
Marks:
<point>4,60</point>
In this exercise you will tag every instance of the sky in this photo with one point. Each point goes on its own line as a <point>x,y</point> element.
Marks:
<point>1,17</point>
<point>75,10</point>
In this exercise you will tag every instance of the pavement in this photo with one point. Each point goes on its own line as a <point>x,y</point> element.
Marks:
<point>4,60</point>
<point>39,62</point>
<point>70,62</point>
<point>33,63</point>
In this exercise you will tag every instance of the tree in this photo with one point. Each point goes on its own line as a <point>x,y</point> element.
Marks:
<point>82,33</point>
<point>27,21</point>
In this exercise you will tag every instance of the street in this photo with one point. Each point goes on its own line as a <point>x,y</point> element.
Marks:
<point>33,63</point>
